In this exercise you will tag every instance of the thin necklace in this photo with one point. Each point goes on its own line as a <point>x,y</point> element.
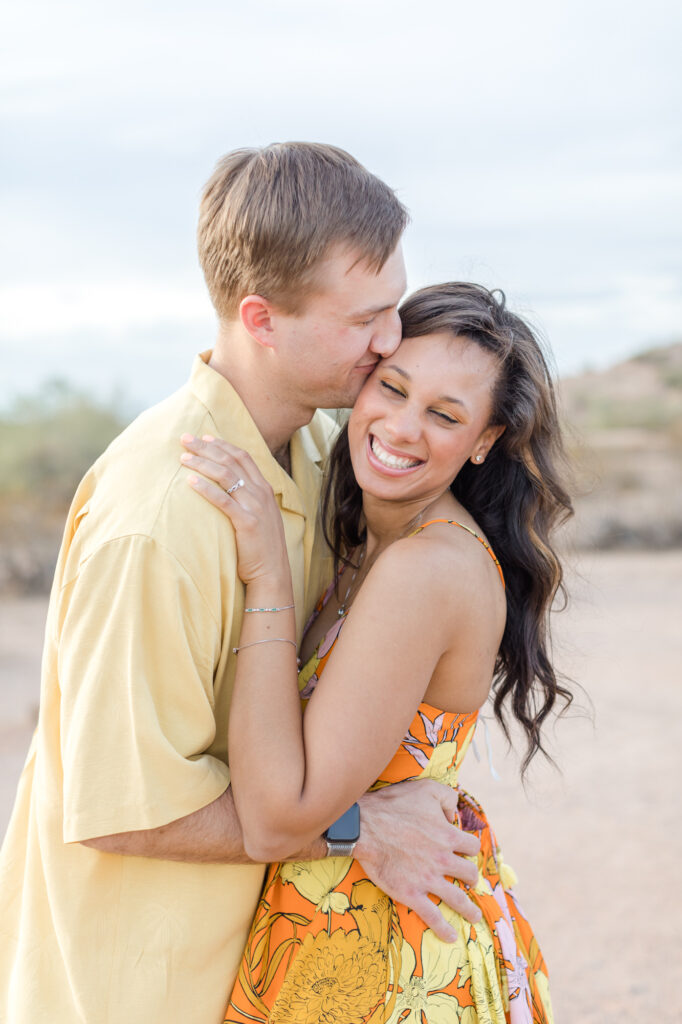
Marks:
<point>412,525</point>
<point>342,606</point>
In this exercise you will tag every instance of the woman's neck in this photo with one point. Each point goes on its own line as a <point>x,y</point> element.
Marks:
<point>388,521</point>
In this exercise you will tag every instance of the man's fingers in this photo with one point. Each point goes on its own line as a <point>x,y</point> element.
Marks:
<point>433,919</point>
<point>457,900</point>
<point>463,870</point>
<point>465,843</point>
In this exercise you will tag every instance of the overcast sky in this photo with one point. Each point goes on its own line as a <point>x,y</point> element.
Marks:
<point>536,144</point>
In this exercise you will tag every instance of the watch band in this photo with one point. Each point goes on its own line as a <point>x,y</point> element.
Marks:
<point>343,834</point>
<point>335,848</point>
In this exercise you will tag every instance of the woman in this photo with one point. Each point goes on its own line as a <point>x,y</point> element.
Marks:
<point>449,462</point>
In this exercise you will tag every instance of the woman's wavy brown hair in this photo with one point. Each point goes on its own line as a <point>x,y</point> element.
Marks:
<point>517,496</point>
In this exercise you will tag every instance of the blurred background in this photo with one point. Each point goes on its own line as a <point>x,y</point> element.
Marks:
<point>538,148</point>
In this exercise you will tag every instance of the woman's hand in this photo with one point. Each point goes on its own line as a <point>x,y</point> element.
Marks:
<point>231,481</point>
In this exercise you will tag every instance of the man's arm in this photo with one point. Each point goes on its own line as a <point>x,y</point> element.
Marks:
<point>211,835</point>
<point>407,846</point>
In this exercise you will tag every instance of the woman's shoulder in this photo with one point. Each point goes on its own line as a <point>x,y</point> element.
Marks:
<point>433,558</point>
<point>448,560</point>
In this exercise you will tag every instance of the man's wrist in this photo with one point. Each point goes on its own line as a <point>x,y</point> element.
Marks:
<point>316,850</point>
<point>367,846</point>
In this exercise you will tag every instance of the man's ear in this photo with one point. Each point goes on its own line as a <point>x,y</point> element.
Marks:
<point>256,313</point>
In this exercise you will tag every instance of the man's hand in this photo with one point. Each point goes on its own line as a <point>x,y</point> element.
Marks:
<point>408,845</point>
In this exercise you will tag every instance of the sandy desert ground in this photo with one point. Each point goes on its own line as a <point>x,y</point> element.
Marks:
<point>598,845</point>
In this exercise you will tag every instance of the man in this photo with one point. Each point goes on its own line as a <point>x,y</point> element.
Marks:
<point>125,892</point>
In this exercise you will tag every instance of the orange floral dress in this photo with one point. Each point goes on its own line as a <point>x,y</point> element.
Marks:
<point>329,947</point>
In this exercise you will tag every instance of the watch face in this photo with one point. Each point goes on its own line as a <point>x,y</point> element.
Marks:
<point>345,829</point>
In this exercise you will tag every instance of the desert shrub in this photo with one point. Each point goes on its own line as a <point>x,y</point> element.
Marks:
<point>48,440</point>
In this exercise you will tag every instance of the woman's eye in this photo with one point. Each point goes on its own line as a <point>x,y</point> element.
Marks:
<point>389,387</point>
<point>444,417</point>
<point>366,323</point>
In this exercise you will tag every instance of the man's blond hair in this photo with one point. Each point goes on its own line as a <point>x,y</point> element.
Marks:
<point>269,216</point>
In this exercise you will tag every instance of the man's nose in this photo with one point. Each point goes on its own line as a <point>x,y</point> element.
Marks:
<point>387,338</point>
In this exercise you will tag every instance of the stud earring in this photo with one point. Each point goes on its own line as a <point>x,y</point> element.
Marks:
<point>479,458</point>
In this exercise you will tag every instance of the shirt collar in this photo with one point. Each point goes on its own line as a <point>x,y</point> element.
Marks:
<point>234,423</point>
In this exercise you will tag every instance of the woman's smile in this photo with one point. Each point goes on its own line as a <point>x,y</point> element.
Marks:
<point>389,458</point>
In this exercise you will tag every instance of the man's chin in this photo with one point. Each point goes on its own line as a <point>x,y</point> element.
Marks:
<point>343,400</point>
<point>352,394</point>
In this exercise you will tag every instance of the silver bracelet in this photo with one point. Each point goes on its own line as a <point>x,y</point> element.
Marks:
<point>270,640</point>
<point>282,609</point>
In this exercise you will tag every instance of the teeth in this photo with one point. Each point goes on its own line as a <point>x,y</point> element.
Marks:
<point>391,461</point>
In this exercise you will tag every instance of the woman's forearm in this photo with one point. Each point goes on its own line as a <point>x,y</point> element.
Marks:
<point>312,769</point>
<point>267,756</point>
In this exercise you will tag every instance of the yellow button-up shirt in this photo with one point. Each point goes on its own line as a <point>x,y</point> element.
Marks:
<point>136,682</point>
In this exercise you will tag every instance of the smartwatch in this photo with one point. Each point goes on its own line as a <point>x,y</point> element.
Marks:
<point>343,834</point>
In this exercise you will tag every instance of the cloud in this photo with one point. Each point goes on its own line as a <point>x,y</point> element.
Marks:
<point>536,145</point>
<point>48,308</point>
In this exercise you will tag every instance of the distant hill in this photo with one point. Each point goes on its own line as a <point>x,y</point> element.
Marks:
<point>625,434</point>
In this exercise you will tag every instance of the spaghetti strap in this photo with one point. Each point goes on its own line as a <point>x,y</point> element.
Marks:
<point>453,522</point>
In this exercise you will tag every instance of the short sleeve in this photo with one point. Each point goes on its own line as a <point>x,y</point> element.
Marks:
<point>136,653</point>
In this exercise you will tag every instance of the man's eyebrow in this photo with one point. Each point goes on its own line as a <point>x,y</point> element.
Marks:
<point>442,398</point>
<point>371,311</point>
